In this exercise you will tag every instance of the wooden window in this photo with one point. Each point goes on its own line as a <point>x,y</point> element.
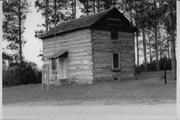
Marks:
<point>53,64</point>
<point>114,22</point>
<point>114,34</point>
<point>116,61</point>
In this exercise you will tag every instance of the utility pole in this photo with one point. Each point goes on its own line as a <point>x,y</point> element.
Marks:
<point>178,59</point>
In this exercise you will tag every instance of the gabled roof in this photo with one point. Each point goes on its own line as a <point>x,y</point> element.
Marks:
<point>76,24</point>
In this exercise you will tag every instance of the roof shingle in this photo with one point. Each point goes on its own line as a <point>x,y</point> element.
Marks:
<point>75,24</point>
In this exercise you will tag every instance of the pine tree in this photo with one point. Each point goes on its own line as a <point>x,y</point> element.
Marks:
<point>13,27</point>
<point>54,11</point>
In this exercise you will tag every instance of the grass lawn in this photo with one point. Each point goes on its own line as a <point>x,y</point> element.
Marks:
<point>147,88</point>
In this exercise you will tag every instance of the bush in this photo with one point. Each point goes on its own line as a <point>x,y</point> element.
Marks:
<point>10,77</point>
<point>167,64</point>
<point>137,70</point>
<point>29,74</point>
<point>152,66</point>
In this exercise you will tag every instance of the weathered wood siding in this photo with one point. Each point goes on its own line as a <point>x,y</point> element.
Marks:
<point>103,48</point>
<point>79,46</point>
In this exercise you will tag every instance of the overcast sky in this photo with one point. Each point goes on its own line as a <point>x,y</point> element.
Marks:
<point>33,46</point>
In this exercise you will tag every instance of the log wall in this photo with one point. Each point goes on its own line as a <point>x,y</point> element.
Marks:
<point>79,46</point>
<point>103,48</point>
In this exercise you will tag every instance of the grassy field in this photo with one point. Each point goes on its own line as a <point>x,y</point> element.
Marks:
<point>146,88</point>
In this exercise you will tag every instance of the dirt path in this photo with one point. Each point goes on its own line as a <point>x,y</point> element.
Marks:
<point>91,112</point>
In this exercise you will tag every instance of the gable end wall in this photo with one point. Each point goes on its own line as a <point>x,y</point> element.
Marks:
<point>103,47</point>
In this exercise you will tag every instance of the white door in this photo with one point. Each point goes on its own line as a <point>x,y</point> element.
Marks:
<point>62,68</point>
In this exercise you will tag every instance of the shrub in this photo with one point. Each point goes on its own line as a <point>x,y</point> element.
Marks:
<point>10,77</point>
<point>137,70</point>
<point>167,63</point>
<point>29,74</point>
<point>152,66</point>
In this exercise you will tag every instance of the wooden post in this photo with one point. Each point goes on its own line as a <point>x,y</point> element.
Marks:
<point>178,59</point>
<point>1,16</point>
<point>42,80</point>
<point>48,72</point>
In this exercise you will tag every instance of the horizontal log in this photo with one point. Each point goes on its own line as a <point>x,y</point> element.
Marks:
<point>70,45</point>
<point>72,58</point>
<point>102,75</point>
<point>76,73</point>
<point>83,77</point>
<point>80,55</point>
<point>78,50</point>
<point>80,62</point>
<point>84,67</point>
<point>77,43</point>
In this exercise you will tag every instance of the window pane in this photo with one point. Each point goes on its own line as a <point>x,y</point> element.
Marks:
<point>115,60</point>
<point>114,34</point>
<point>53,64</point>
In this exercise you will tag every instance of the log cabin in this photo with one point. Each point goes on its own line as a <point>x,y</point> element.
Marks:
<point>98,47</point>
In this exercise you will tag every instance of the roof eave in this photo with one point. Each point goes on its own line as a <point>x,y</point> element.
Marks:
<point>63,32</point>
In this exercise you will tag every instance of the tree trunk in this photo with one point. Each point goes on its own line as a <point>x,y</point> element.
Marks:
<point>172,43</point>
<point>87,7</point>
<point>55,12</point>
<point>94,6</point>
<point>144,49</point>
<point>156,48</point>
<point>137,47</point>
<point>74,9</point>
<point>98,6</point>
<point>168,45</point>
<point>46,12</point>
<point>20,36</point>
<point>160,44</point>
<point>150,51</point>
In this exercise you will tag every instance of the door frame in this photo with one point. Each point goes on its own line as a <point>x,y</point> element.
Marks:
<point>62,68</point>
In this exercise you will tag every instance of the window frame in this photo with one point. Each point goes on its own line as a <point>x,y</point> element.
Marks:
<point>53,65</point>
<point>119,65</point>
<point>114,36</point>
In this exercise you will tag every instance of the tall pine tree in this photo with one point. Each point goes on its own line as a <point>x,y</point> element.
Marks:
<point>15,12</point>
